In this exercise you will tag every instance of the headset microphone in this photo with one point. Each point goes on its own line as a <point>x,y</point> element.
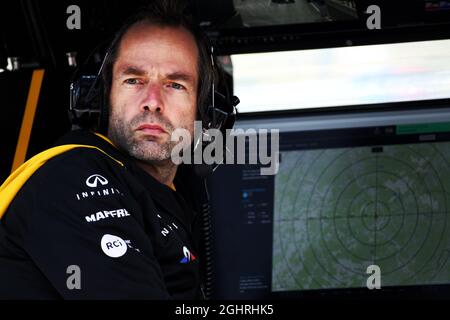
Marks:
<point>220,115</point>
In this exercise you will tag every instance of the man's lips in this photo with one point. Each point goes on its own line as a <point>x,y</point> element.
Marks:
<point>151,129</point>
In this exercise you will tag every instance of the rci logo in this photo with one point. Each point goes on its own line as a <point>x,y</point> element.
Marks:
<point>95,179</point>
<point>113,246</point>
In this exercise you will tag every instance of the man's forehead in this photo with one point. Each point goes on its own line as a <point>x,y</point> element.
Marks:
<point>140,35</point>
<point>146,30</point>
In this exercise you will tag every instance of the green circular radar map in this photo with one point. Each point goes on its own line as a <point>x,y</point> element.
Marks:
<point>338,211</point>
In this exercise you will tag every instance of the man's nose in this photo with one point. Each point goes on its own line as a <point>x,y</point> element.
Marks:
<point>153,101</point>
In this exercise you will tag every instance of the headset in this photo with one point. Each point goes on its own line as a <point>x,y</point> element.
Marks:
<point>88,107</point>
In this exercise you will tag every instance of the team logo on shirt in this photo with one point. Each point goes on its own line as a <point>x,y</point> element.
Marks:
<point>98,193</point>
<point>188,256</point>
<point>119,213</point>
<point>113,246</point>
<point>96,179</point>
<point>168,227</point>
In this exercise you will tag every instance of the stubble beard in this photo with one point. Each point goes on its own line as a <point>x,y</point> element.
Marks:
<point>145,148</point>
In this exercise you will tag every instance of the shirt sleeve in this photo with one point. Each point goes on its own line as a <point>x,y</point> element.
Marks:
<point>85,231</point>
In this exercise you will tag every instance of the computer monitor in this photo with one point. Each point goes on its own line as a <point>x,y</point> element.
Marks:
<point>374,74</point>
<point>354,192</point>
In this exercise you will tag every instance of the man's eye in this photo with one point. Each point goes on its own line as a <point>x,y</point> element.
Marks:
<point>131,81</point>
<point>176,86</point>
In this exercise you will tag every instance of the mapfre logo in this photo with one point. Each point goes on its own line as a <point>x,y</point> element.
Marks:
<point>113,246</point>
<point>96,180</point>
<point>119,213</point>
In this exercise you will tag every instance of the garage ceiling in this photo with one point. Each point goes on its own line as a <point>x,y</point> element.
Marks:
<point>35,30</point>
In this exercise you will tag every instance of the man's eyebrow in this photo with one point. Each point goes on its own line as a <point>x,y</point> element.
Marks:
<point>132,70</point>
<point>137,71</point>
<point>181,76</point>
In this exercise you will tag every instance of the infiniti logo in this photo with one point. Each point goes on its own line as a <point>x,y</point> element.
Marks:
<point>95,179</point>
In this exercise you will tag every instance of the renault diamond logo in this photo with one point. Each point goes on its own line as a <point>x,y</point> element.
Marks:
<point>95,179</point>
<point>188,256</point>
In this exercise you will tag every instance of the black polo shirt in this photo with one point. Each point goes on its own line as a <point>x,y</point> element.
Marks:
<point>85,227</point>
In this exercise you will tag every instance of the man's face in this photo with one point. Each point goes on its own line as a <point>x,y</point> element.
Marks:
<point>154,90</point>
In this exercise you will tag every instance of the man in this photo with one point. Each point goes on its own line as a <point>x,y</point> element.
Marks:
<point>115,219</point>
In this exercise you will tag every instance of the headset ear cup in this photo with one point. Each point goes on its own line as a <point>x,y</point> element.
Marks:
<point>86,102</point>
<point>73,103</point>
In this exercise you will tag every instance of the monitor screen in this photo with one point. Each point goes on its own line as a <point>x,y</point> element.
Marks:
<point>255,13</point>
<point>323,78</point>
<point>352,193</point>
<point>248,14</point>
